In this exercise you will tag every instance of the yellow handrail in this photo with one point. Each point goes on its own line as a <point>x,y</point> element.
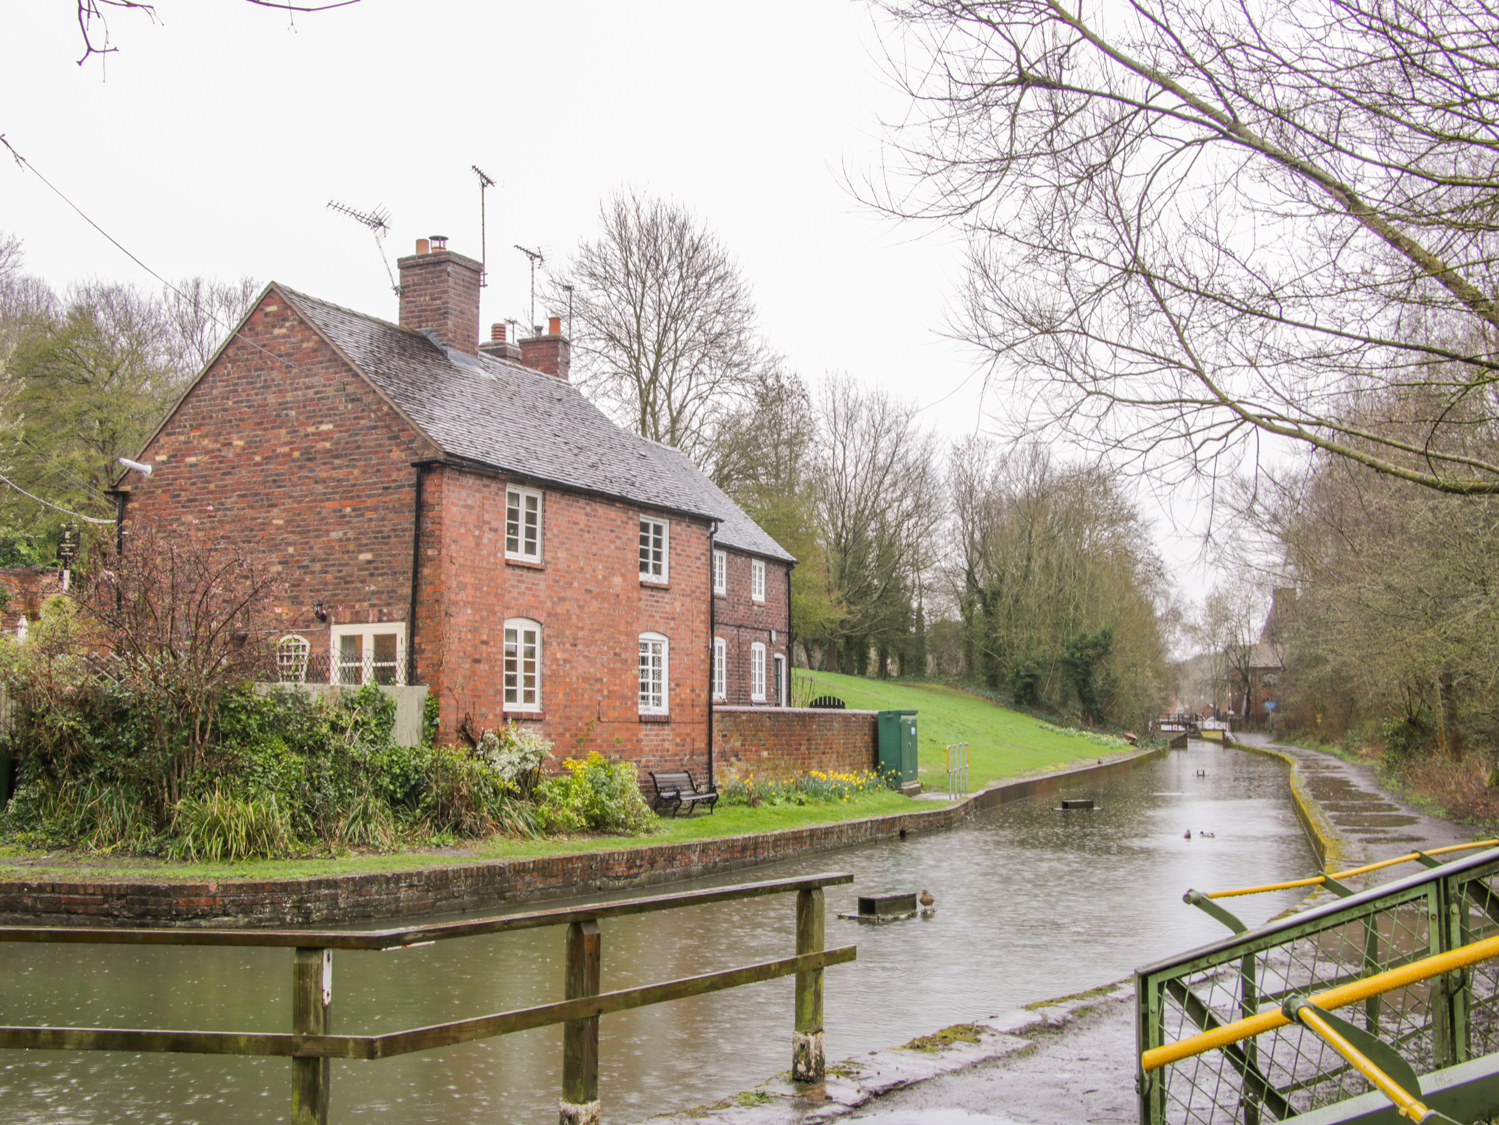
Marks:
<point>1339,997</point>
<point>1352,871</point>
<point>1408,1105</point>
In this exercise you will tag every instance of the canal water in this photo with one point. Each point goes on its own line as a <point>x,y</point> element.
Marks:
<point>1031,903</point>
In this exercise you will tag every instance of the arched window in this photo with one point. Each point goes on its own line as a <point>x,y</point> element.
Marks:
<point>292,652</point>
<point>653,674</point>
<point>522,665</point>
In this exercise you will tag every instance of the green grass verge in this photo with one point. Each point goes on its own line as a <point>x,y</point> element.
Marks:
<point>1002,743</point>
<point>734,820</point>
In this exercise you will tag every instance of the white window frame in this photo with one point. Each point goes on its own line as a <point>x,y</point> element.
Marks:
<point>655,571</point>
<point>720,572</point>
<point>367,669</point>
<point>757,673</point>
<point>720,668</point>
<point>757,580</point>
<point>778,663</point>
<point>653,667</point>
<point>514,665</point>
<point>520,496</point>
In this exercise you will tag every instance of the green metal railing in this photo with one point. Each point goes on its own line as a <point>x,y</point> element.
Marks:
<point>311,1044</point>
<point>1436,1022</point>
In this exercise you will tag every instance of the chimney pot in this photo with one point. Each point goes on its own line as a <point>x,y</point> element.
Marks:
<point>554,326</point>
<point>497,332</point>
<point>439,241</point>
<point>422,247</point>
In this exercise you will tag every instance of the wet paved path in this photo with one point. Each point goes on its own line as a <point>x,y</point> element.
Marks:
<point>1074,1063</point>
<point>1372,823</point>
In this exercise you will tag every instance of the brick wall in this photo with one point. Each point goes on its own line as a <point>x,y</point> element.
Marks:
<point>741,622</point>
<point>298,461</point>
<point>587,596</point>
<point>28,588</point>
<point>791,741</point>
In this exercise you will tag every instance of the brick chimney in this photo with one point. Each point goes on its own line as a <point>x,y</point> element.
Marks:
<point>551,353</point>
<point>498,346</point>
<point>440,294</point>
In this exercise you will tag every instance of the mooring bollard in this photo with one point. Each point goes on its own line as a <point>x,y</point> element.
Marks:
<point>311,995</point>
<point>808,1062</point>
<point>580,1038</point>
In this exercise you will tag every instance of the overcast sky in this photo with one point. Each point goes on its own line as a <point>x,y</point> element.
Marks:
<point>212,140</point>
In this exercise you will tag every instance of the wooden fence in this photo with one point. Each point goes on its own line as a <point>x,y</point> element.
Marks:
<point>310,1045</point>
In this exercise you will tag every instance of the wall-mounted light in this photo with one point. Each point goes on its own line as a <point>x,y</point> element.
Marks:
<point>318,611</point>
<point>144,470</point>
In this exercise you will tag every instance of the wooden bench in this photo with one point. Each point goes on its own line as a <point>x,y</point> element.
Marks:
<point>673,790</point>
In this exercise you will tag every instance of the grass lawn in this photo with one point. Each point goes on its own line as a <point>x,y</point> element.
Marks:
<point>731,820</point>
<point>1001,743</point>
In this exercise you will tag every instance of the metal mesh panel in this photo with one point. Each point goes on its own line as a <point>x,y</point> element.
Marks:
<point>1288,1071</point>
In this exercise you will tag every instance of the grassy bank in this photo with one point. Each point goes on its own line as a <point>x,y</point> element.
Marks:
<point>734,820</point>
<point>1001,743</point>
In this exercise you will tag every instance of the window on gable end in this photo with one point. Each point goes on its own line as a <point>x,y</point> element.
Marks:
<point>655,549</point>
<point>757,579</point>
<point>653,674</point>
<point>523,524</point>
<point>522,665</point>
<point>720,572</point>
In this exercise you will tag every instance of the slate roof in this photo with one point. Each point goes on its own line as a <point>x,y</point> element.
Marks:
<point>513,419</point>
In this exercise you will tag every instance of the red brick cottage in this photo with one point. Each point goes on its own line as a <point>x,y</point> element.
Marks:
<point>457,514</point>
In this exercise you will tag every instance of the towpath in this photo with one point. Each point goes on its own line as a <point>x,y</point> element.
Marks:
<point>1069,1062</point>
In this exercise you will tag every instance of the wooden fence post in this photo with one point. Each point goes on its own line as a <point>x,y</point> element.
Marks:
<point>808,1062</point>
<point>580,1038</point>
<point>311,993</point>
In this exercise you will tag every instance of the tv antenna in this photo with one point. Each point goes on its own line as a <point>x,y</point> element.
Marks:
<point>537,258</point>
<point>484,182</point>
<point>378,222</point>
<point>569,288</point>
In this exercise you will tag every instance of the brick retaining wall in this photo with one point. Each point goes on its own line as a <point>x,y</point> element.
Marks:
<point>485,885</point>
<point>784,742</point>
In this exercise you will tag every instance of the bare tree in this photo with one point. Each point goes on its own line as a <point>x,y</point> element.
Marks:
<point>202,311</point>
<point>93,25</point>
<point>878,502</point>
<point>1193,227</point>
<point>665,327</point>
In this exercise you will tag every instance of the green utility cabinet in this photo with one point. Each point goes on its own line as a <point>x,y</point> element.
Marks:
<point>897,748</point>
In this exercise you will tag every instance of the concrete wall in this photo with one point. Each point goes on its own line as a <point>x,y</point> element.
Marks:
<point>789,741</point>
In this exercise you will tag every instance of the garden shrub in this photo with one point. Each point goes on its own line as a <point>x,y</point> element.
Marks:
<point>594,795</point>
<point>517,754</point>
